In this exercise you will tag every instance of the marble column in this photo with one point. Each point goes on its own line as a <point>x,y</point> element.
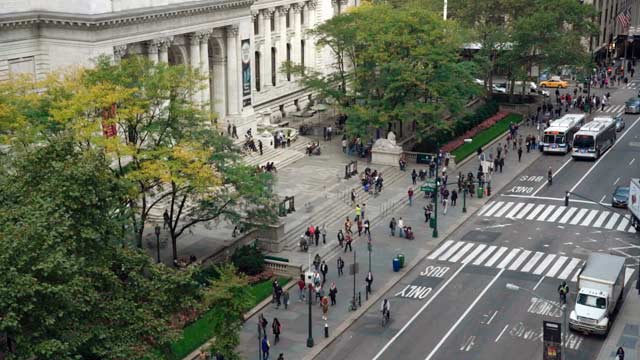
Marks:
<point>152,51</point>
<point>268,16</point>
<point>194,61</point>
<point>296,47</point>
<point>163,52</point>
<point>310,43</point>
<point>204,64</point>
<point>234,83</point>
<point>119,51</point>
<point>255,17</point>
<point>283,11</point>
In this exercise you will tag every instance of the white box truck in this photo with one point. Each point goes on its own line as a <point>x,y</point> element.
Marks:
<point>600,288</point>
<point>633,203</point>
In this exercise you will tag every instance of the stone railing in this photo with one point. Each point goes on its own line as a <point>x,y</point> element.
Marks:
<point>282,268</point>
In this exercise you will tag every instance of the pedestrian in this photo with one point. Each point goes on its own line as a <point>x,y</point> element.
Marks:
<point>410,194</point>
<point>228,128</point>
<point>263,322</point>
<point>316,262</point>
<point>235,132</point>
<point>348,241</point>
<point>392,226</point>
<point>167,219</point>
<point>203,355</point>
<point>519,153</point>
<point>414,176</point>
<point>358,212</point>
<point>369,280</point>
<point>324,269</point>
<point>501,164</point>
<point>362,209</point>
<point>276,327</point>
<point>340,264</point>
<point>445,202</point>
<point>280,357</point>
<point>324,133</point>
<point>620,353</point>
<point>366,228</point>
<point>301,286</point>
<point>323,231</point>
<point>274,286</point>
<point>333,291</point>
<point>260,146</point>
<point>353,196</point>
<point>219,356</point>
<point>285,299</point>
<point>563,291</point>
<point>278,291</point>
<point>454,197</point>
<point>401,227</point>
<point>427,213</point>
<point>344,146</point>
<point>265,344</point>
<point>317,234</point>
<point>324,303</point>
<point>340,238</point>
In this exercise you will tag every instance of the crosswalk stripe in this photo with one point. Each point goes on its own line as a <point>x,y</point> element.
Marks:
<point>474,253</point>
<point>485,207</point>
<point>493,209</point>
<point>579,215</point>
<point>556,266</point>
<point>524,211</point>
<point>519,260</point>
<point>504,209</point>
<point>623,224</point>
<point>535,211</point>
<point>496,256</point>
<point>601,219</point>
<point>532,262</point>
<point>589,218</point>
<point>451,251</point>
<point>575,276</point>
<point>612,221</point>
<point>546,212</point>
<point>567,215</point>
<point>543,265</point>
<point>514,210</point>
<point>484,255</point>
<point>461,253</point>
<point>567,270</point>
<point>440,250</point>
<point>508,258</point>
<point>557,214</point>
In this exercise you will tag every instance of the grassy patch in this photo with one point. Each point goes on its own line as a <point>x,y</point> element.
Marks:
<point>486,136</point>
<point>201,330</point>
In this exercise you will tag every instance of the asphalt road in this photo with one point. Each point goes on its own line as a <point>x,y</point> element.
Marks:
<point>455,304</point>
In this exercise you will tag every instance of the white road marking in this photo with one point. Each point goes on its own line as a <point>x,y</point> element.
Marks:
<point>493,209</point>
<point>485,208</point>
<point>501,332</point>
<point>496,256</point>
<point>543,265</point>
<point>508,258</point>
<point>632,160</point>
<point>491,318</point>
<point>503,210</point>
<point>603,197</point>
<point>612,221</point>
<point>415,316</point>
<point>554,175</point>
<point>514,210</point>
<point>524,211</point>
<point>556,266</point>
<point>453,328</point>
<point>589,218</point>
<point>575,276</point>
<point>461,253</point>
<point>557,214</point>
<point>519,260</point>
<point>484,255</point>
<point>567,215</point>
<point>474,253</point>
<point>576,219</point>
<point>546,213</point>
<point>602,157</point>
<point>623,224</point>
<point>567,270</point>
<point>440,250</point>
<point>451,251</point>
<point>535,211</point>
<point>601,219</point>
<point>532,262</point>
<point>538,283</point>
<point>615,182</point>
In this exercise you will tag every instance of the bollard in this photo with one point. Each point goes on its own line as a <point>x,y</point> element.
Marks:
<point>566,199</point>
<point>359,298</point>
<point>326,330</point>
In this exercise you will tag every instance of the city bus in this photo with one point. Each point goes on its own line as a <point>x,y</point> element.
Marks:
<point>594,138</point>
<point>559,135</point>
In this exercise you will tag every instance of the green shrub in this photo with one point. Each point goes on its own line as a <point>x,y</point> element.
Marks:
<point>486,136</point>
<point>248,259</point>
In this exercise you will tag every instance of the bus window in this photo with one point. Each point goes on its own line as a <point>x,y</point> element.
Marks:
<point>583,141</point>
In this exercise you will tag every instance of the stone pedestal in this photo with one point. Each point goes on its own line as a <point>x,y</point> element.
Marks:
<point>271,237</point>
<point>385,152</point>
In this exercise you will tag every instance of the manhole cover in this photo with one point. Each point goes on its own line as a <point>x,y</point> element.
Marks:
<point>481,236</point>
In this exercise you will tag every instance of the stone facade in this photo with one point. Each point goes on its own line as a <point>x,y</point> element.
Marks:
<point>240,45</point>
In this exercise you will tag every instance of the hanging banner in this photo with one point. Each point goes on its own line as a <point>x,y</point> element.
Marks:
<point>245,53</point>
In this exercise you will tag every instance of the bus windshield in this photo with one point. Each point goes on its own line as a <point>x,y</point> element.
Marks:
<point>554,139</point>
<point>583,141</point>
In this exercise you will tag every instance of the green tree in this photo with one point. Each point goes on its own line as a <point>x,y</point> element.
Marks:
<point>392,65</point>
<point>70,290</point>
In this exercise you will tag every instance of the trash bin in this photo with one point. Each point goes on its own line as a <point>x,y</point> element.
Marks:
<point>401,258</point>
<point>479,192</point>
<point>396,264</point>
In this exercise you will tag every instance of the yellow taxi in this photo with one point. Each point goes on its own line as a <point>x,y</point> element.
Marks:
<point>554,82</point>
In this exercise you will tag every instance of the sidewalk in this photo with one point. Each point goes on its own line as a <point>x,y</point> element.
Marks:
<point>626,329</point>
<point>294,320</point>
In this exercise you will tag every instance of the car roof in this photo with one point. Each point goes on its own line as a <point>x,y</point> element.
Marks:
<point>634,99</point>
<point>621,189</point>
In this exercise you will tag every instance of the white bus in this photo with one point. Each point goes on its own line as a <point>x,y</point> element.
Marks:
<point>559,135</point>
<point>594,138</point>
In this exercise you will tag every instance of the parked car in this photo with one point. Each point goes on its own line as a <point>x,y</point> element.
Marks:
<point>620,197</point>
<point>632,106</point>
<point>619,123</point>
<point>498,88</point>
<point>554,82</point>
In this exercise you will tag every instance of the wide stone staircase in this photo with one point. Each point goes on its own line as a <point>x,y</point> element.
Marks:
<point>281,157</point>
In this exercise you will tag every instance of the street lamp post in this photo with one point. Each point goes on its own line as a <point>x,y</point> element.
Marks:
<point>259,340</point>
<point>563,308</point>
<point>435,198</point>
<point>157,230</point>
<point>310,338</point>
<point>370,248</point>
<point>464,199</point>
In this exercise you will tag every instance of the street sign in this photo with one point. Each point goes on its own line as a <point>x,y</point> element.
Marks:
<point>354,268</point>
<point>552,337</point>
<point>429,185</point>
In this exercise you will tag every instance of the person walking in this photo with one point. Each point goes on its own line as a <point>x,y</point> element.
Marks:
<point>276,327</point>
<point>401,227</point>
<point>392,226</point>
<point>285,299</point>
<point>519,153</point>
<point>348,241</point>
<point>263,322</point>
<point>620,353</point>
<point>414,176</point>
<point>340,265</point>
<point>301,286</point>
<point>167,219</point>
<point>317,235</point>
<point>353,196</point>
<point>369,281</point>
<point>410,194</point>
<point>260,146</point>
<point>362,209</point>
<point>333,291</point>
<point>278,293</point>
<point>360,226</point>
<point>366,228</point>
<point>454,197</point>
<point>324,269</point>
<point>318,290</point>
<point>324,303</point>
<point>316,262</point>
<point>340,238</point>
<point>427,212</point>
<point>358,213</point>
<point>323,231</point>
<point>265,342</point>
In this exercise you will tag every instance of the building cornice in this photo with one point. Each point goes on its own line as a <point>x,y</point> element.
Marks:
<point>119,18</point>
